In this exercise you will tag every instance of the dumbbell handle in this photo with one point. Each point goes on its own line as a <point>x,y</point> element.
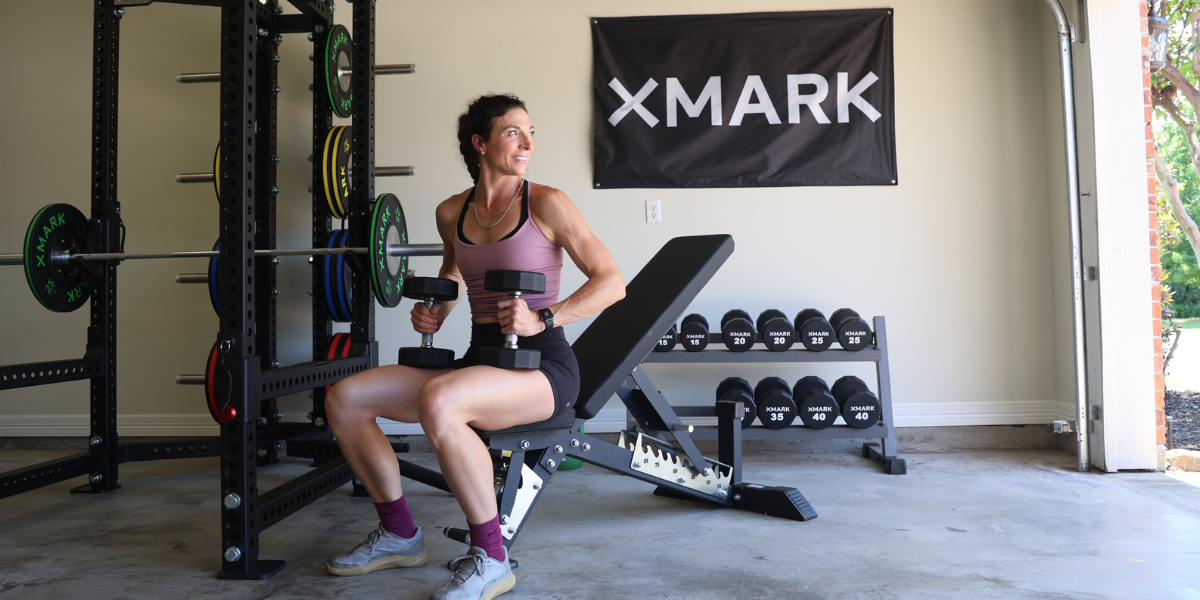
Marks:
<point>510,339</point>
<point>427,338</point>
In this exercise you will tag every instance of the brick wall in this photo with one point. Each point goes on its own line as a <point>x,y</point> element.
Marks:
<point>1155,267</point>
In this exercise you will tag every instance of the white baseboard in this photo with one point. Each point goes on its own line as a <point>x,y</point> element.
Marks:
<point>609,420</point>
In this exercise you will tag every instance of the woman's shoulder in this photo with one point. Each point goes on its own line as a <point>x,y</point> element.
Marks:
<point>543,198</point>
<point>450,207</point>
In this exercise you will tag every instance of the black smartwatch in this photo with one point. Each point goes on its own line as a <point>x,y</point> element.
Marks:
<point>547,318</point>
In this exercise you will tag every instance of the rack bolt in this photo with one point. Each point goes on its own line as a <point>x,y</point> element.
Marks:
<point>277,59</point>
<point>737,497</point>
<point>319,28</point>
<point>278,415</point>
<point>310,37</point>
<point>118,12</point>
<point>319,422</point>
<point>504,520</point>
<point>587,447</point>
<point>680,481</point>
<point>274,260</point>
<point>278,446</point>
<point>232,501</point>
<point>275,293</point>
<point>276,89</point>
<point>232,554</point>
<point>263,32</point>
<point>262,453</point>
<point>275,190</point>
<point>275,364</point>
<point>558,449</point>
<point>550,463</point>
<point>310,87</point>
<point>279,10</point>
<point>310,160</point>
<point>706,472</point>
<point>276,159</point>
<point>310,413</point>
<point>721,494</point>
<point>278,40</point>
<point>310,57</point>
<point>95,441</point>
<point>96,478</point>
<point>512,530</point>
<point>262,421</point>
<point>574,443</point>
<point>637,465</point>
<point>524,444</point>
<point>537,487</point>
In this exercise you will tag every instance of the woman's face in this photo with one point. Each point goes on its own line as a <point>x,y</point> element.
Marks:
<point>510,146</point>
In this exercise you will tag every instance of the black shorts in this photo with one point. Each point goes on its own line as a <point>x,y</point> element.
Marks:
<point>558,362</point>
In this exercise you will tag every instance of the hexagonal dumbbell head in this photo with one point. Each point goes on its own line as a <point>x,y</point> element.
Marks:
<point>524,282</point>
<point>434,288</point>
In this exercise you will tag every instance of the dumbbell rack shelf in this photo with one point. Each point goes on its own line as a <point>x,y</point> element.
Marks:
<point>884,453</point>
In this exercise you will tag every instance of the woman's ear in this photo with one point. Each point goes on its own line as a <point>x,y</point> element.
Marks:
<point>477,142</point>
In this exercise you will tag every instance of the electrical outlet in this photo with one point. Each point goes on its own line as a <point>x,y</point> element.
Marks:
<point>653,211</point>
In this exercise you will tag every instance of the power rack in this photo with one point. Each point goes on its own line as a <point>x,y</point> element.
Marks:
<point>250,32</point>
<point>885,430</point>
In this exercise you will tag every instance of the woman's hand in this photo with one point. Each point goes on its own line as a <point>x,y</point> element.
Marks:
<point>427,321</point>
<point>515,317</point>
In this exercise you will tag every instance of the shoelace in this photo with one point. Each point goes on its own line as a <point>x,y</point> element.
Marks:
<point>464,566</point>
<point>371,540</point>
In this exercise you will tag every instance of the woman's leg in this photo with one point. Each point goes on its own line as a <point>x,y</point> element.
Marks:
<point>352,406</point>
<point>487,398</point>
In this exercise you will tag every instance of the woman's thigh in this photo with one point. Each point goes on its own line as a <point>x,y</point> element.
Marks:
<point>390,391</point>
<point>488,398</point>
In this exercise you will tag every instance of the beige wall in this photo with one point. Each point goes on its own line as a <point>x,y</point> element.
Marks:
<point>958,256</point>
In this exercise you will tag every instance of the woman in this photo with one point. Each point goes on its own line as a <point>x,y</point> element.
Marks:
<point>502,222</point>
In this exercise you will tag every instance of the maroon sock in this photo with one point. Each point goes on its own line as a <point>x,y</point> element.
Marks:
<point>397,519</point>
<point>487,536</point>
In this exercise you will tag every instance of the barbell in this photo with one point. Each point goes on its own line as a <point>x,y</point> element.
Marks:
<point>54,262</point>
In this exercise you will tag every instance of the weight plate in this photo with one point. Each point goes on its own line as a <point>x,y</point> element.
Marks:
<point>816,334</point>
<point>217,171</point>
<point>737,331</point>
<point>56,229</point>
<point>693,333</point>
<point>819,410</point>
<point>388,227</point>
<point>776,409</point>
<point>343,169</point>
<point>329,277</point>
<point>420,288</point>
<point>667,342</point>
<point>339,347</point>
<point>327,172</point>
<point>767,315</point>
<point>345,286</point>
<point>214,280</point>
<point>861,410</point>
<point>217,383</point>
<point>339,59</point>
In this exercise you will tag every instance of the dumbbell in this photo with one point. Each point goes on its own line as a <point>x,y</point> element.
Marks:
<point>514,283</point>
<point>776,330</point>
<point>816,334</point>
<point>860,407</point>
<point>853,333</point>
<point>428,290</point>
<point>776,408</point>
<point>738,389</point>
<point>693,332</point>
<point>668,340</point>
<point>737,330</point>
<point>817,406</point>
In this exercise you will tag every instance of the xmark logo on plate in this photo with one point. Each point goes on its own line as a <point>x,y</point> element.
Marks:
<point>754,99</point>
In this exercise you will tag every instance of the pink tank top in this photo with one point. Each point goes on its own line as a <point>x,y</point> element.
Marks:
<point>525,249</point>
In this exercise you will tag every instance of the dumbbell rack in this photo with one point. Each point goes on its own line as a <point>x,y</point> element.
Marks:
<point>884,454</point>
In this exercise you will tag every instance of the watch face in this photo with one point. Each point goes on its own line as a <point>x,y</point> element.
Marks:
<point>546,315</point>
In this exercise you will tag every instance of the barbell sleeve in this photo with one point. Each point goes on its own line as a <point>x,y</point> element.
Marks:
<point>403,69</point>
<point>189,379</point>
<point>394,171</point>
<point>191,278</point>
<point>198,77</point>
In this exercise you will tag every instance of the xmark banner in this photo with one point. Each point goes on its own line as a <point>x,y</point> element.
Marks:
<point>745,100</point>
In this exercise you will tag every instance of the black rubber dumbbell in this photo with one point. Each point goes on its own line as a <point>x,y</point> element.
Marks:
<point>860,408</point>
<point>738,389</point>
<point>776,330</point>
<point>853,333</point>
<point>776,408</point>
<point>667,342</point>
<point>737,330</point>
<point>817,407</point>
<point>693,332</point>
<point>514,283</point>
<point>428,290</point>
<point>814,330</point>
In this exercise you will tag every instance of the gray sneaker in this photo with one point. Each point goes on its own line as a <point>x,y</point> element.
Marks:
<point>381,550</point>
<point>477,576</point>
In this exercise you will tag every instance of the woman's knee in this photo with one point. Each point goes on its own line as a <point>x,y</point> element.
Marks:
<point>340,401</point>
<point>436,407</point>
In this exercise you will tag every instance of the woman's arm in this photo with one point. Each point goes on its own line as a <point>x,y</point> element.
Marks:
<point>563,224</point>
<point>426,321</point>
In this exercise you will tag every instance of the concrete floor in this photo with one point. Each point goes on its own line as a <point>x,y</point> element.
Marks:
<point>977,525</point>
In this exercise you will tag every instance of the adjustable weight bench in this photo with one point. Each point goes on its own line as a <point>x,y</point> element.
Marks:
<point>661,450</point>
